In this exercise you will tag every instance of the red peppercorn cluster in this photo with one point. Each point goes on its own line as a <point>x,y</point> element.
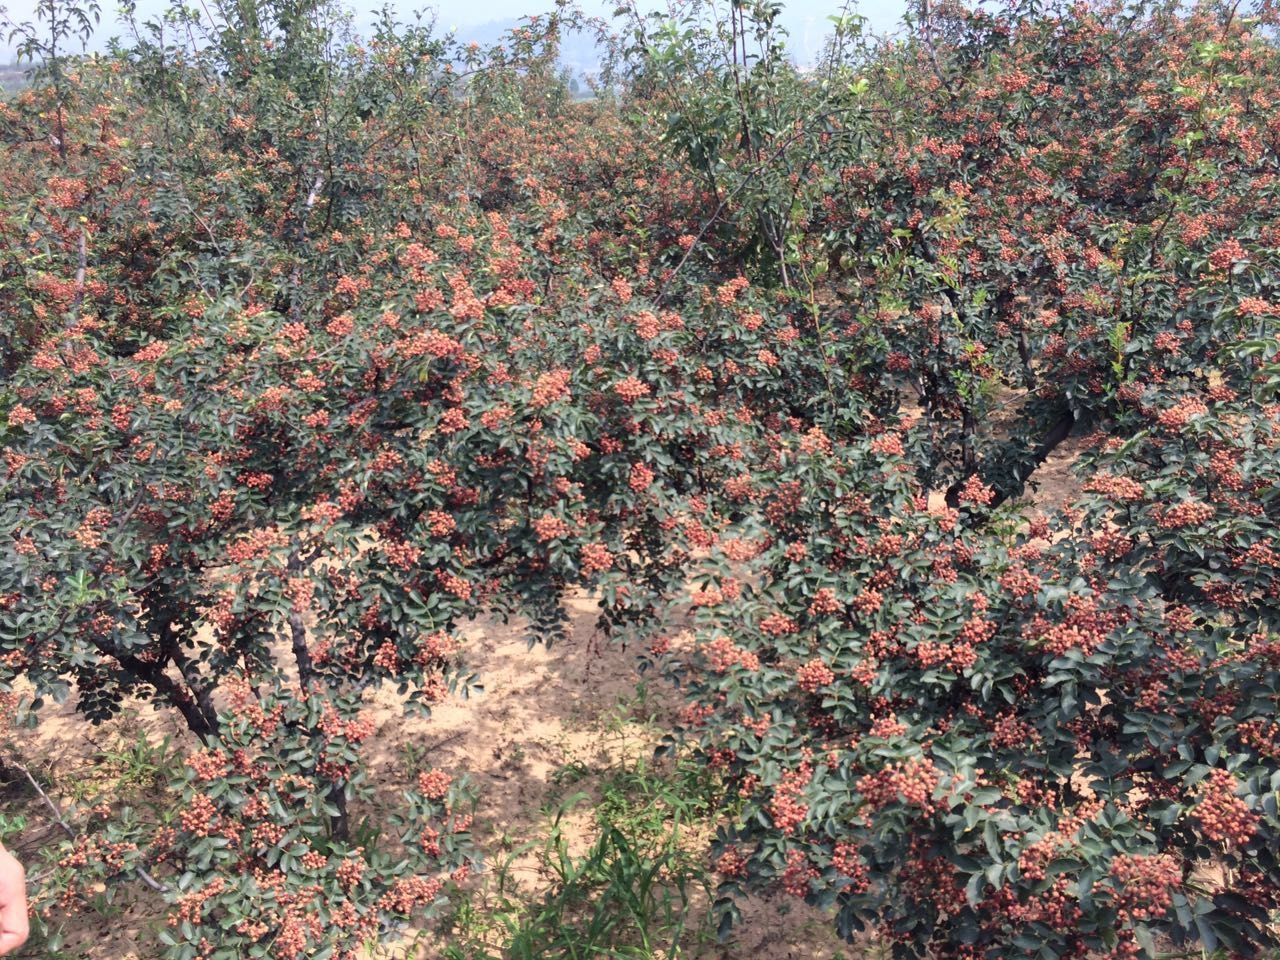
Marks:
<point>408,893</point>
<point>550,527</point>
<point>642,477</point>
<point>846,859</point>
<point>1020,582</point>
<point>190,908</point>
<point>632,389</point>
<point>434,784</point>
<point>208,764</point>
<point>727,293</point>
<point>1084,627</point>
<point>911,782</point>
<point>814,675</point>
<point>824,602</point>
<point>777,625</point>
<point>1188,513</point>
<point>1145,885</point>
<point>200,817</point>
<point>1262,736</point>
<point>786,808</point>
<point>887,727</point>
<point>1227,253</point>
<point>595,558</point>
<point>1034,859</point>
<point>722,655</point>
<point>1181,413</point>
<point>732,864</point>
<point>1223,816</point>
<point>1008,731</point>
<point>799,874</point>
<point>976,493</point>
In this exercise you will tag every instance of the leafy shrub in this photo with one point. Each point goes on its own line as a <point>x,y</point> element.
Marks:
<point>406,336</point>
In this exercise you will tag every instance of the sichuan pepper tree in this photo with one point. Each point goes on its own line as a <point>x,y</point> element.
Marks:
<point>968,731</point>
<point>1057,739</point>
<point>1034,215</point>
<point>343,434</point>
<point>986,218</point>
<point>316,400</point>
<point>277,461</point>
<point>972,731</point>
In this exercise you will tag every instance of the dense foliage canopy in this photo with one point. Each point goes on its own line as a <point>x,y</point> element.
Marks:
<point>313,347</point>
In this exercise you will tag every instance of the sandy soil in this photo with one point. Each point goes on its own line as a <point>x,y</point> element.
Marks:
<point>1053,485</point>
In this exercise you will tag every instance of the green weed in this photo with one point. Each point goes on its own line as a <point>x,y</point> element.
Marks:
<point>640,890</point>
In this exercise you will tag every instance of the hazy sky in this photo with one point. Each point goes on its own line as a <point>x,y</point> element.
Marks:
<point>805,19</point>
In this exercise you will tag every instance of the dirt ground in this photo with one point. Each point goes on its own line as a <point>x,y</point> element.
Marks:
<point>1053,485</point>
